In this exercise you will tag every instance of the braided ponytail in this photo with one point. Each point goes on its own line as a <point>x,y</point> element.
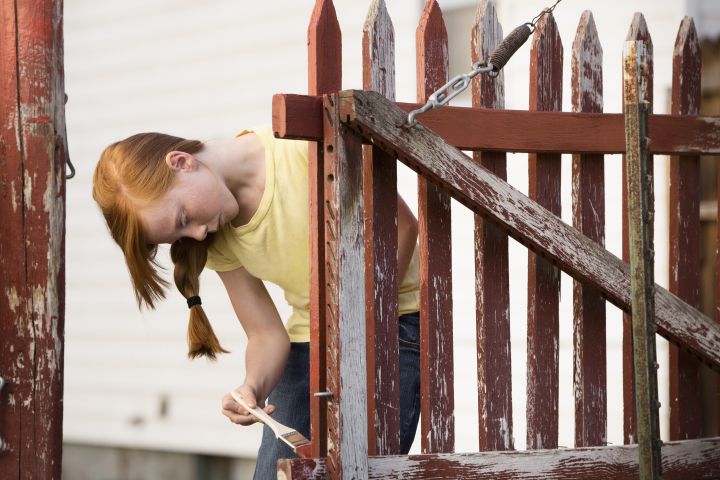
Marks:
<point>189,257</point>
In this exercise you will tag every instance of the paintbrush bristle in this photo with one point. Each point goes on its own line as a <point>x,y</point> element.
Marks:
<point>295,438</point>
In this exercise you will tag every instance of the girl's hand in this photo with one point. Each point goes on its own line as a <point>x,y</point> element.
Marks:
<point>238,414</point>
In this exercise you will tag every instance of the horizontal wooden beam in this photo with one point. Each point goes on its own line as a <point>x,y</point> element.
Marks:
<point>680,460</point>
<point>375,118</point>
<point>299,117</point>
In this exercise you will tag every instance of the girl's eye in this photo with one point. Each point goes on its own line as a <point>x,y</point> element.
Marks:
<point>183,220</point>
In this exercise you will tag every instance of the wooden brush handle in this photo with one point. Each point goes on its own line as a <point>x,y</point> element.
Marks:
<point>256,412</point>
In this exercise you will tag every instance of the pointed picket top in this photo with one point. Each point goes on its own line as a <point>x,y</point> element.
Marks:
<point>686,70</point>
<point>587,56</point>
<point>638,31</point>
<point>487,34</point>
<point>431,42</point>
<point>379,51</point>
<point>546,62</point>
<point>324,50</point>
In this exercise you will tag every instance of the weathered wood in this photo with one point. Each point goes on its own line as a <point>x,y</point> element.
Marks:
<point>324,76</point>
<point>638,31</point>
<point>492,288</point>
<point>32,238</point>
<point>381,271</point>
<point>588,193</point>
<point>681,460</point>
<point>436,347</point>
<point>640,213</point>
<point>345,296</point>
<point>686,406</point>
<point>544,278</point>
<point>376,119</point>
<point>299,116</point>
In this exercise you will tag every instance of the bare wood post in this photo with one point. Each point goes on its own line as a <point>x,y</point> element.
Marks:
<point>588,187</point>
<point>685,380</point>
<point>638,31</point>
<point>32,238</point>
<point>324,76</point>
<point>491,262</point>
<point>381,270</point>
<point>640,213</point>
<point>345,261</point>
<point>544,278</point>
<point>436,358</point>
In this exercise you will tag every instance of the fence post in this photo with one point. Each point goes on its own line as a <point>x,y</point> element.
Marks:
<point>436,347</point>
<point>685,377</point>
<point>543,278</point>
<point>640,213</point>
<point>588,193</point>
<point>638,32</point>
<point>33,151</point>
<point>345,272</point>
<point>491,262</point>
<point>324,76</point>
<point>381,269</point>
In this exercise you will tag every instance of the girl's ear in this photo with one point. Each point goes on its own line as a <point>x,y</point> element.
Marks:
<point>180,161</point>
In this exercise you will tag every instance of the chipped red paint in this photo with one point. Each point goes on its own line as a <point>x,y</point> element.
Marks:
<point>686,406</point>
<point>436,346</point>
<point>324,76</point>
<point>495,428</point>
<point>588,194</point>
<point>32,238</point>
<point>544,278</point>
<point>381,244</point>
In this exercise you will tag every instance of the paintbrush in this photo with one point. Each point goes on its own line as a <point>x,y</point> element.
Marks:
<point>295,439</point>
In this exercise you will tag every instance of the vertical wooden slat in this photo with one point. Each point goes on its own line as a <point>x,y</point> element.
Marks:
<point>640,212</point>
<point>543,278</point>
<point>685,382</point>
<point>436,358</point>
<point>345,272</point>
<point>491,262</point>
<point>32,236</point>
<point>381,275</point>
<point>324,76</point>
<point>638,31</point>
<point>588,193</point>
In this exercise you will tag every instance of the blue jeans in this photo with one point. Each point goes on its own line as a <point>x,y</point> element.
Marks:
<point>291,396</point>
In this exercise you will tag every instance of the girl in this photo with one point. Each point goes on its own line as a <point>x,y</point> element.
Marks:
<point>240,206</point>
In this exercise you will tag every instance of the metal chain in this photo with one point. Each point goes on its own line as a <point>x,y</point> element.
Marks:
<point>459,83</point>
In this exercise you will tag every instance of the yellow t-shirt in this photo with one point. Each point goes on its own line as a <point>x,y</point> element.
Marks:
<point>274,244</point>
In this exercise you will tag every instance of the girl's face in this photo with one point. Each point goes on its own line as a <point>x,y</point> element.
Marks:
<point>198,203</point>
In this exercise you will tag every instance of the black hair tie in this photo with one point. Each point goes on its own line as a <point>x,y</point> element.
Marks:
<point>194,300</point>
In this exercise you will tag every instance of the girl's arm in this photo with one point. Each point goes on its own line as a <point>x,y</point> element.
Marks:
<point>268,342</point>
<point>407,237</point>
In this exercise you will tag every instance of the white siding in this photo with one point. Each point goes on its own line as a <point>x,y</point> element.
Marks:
<point>205,69</point>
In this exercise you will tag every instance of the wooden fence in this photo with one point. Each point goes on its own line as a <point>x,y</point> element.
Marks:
<point>355,430</point>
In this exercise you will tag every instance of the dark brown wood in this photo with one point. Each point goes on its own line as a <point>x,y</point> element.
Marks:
<point>697,459</point>
<point>491,263</point>
<point>345,297</point>
<point>381,268</point>
<point>638,31</point>
<point>686,406</point>
<point>544,278</point>
<point>299,116</point>
<point>32,238</point>
<point>324,76</point>
<point>470,184</point>
<point>436,347</point>
<point>588,193</point>
<point>642,257</point>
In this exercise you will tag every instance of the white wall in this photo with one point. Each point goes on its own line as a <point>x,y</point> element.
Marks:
<point>205,69</point>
